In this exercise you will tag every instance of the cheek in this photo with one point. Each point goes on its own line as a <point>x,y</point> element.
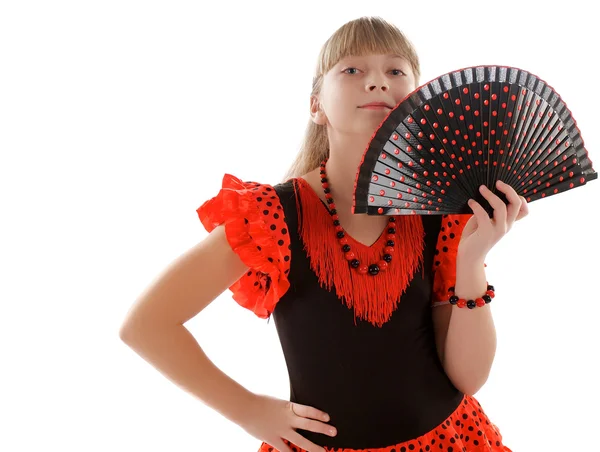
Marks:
<point>346,92</point>
<point>404,90</point>
<point>341,102</point>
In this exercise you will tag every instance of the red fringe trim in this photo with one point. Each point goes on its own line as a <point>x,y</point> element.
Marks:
<point>373,299</point>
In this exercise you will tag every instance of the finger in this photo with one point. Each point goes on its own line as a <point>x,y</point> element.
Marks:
<point>302,442</point>
<point>524,211</point>
<point>280,446</point>
<point>313,426</point>
<point>482,217</point>
<point>498,205</point>
<point>515,201</point>
<point>308,411</point>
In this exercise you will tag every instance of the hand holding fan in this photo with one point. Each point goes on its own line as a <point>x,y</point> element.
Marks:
<point>469,128</point>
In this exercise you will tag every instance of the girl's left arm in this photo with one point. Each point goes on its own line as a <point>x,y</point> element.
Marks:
<point>470,345</point>
<point>471,339</point>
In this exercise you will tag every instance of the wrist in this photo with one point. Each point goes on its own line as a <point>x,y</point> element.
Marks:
<point>245,407</point>
<point>466,260</point>
<point>474,301</point>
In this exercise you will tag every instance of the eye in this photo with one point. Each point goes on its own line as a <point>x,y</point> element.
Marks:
<point>351,69</point>
<point>399,70</point>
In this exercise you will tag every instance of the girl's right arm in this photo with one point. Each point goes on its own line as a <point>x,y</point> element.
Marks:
<point>154,329</point>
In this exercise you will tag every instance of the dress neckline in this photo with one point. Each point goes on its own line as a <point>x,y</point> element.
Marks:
<point>372,298</point>
<point>376,243</point>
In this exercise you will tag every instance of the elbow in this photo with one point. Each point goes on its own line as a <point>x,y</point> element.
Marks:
<point>134,327</point>
<point>132,335</point>
<point>467,377</point>
<point>129,327</point>
<point>469,391</point>
<point>471,388</point>
<point>130,331</point>
<point>125,334</point>
<point>135,332</point>
<point>467,380</point>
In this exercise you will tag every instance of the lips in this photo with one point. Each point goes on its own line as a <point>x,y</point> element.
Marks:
<point>377,104</point>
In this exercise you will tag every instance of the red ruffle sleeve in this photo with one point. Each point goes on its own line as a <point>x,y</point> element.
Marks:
<point>256,230</point>
<point>444,265</point>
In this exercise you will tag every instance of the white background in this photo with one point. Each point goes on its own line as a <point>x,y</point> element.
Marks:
<point>119,118</point>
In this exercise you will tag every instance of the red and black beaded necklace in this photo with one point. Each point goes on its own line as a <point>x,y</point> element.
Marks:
<point>388,251</point>
<point>373,299</point>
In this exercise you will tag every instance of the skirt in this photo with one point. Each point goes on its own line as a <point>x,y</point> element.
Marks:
<point>467,429</point>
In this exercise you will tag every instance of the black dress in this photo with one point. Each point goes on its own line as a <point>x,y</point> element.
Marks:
<point>381,381</point>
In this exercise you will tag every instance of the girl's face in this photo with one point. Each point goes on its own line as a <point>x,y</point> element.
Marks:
<point>352,84</point>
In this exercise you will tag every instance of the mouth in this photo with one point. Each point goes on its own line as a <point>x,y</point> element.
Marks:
<point>377,106</point>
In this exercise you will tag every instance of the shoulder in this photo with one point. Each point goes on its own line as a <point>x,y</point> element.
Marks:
<point>256,230</point>
<point>238,198</point>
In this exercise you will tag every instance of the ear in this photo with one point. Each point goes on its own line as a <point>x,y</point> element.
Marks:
<point>316,111</point>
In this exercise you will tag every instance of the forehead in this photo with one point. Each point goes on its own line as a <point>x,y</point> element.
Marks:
<point>374,58</point>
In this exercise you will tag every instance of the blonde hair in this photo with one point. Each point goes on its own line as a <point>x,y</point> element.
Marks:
<point>363,36</point>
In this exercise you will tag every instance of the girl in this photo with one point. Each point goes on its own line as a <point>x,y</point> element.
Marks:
<point>379,358</point>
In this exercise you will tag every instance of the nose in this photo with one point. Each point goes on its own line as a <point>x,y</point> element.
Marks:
<point>374,86</point>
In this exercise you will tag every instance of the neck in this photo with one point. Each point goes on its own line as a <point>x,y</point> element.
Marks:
<point>344,158</point>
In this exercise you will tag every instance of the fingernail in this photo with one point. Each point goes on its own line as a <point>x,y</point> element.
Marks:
<point>332,432</point>
<point>326,417</point>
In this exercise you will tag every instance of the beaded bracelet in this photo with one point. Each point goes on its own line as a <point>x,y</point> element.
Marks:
<point>471,304</point>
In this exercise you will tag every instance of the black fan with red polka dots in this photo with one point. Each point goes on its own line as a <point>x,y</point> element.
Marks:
<point>469,128</point>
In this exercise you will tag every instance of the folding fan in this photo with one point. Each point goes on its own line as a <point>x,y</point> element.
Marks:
<point>469,128</point>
